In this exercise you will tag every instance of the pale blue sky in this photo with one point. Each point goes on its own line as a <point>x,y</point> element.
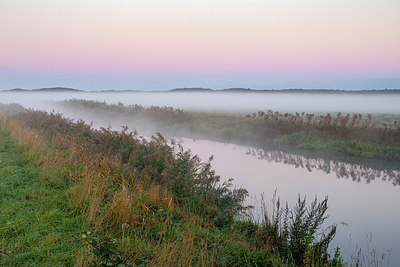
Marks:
<point>164,44</point>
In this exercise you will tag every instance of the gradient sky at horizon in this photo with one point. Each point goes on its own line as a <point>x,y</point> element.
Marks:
<point>164,44</point>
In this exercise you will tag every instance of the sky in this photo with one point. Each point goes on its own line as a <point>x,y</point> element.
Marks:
<point>166,44</point>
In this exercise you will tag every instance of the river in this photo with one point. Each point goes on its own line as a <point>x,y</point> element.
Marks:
<point>363,201</point>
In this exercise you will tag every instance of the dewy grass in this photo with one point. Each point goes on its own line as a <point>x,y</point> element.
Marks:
<point>37,223</point>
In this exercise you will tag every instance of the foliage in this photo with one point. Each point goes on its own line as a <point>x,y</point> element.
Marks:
<point>337,260</point>
<point>105,248</point>
<point>294,232</point>
<point>151,160</point>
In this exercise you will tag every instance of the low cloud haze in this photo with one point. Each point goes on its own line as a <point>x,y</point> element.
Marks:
<point>222,101</point>
<point>159,82</point>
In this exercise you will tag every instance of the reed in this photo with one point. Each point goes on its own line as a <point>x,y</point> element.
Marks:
<point>304,131</point>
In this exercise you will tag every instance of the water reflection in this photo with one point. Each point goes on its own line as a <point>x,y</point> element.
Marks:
<point>368,206</point>
<point>355,172</point>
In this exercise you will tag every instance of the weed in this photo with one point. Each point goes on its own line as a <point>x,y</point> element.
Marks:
<point>104,248</point>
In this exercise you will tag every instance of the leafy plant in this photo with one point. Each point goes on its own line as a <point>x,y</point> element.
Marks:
<point>294,232</point>
<point>104,248</point>
<point>337,260</point>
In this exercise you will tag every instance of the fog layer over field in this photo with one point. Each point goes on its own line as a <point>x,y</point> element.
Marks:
<point>223,101</point>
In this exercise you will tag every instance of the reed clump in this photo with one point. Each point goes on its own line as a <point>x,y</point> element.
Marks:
<point>349,127</point>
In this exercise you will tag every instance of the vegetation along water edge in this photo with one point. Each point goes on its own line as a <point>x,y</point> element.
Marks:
<point>350,136</point>
<point>132,201</point>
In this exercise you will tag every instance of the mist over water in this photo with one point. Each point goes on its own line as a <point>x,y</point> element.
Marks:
<point>222,101</point>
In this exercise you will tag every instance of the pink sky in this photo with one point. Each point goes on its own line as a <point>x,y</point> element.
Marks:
<point>153,37</point>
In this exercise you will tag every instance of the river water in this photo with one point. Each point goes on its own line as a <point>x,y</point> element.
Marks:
<point>365,200</point>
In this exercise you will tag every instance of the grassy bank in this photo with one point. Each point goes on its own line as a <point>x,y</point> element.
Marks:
<point>347,135</point>
<point>37,220</point>
<point>148,202</point>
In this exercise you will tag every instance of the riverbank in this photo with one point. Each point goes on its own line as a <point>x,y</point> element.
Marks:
<point>151,202</point>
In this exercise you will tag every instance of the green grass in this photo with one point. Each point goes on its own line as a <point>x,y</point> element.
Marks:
<point>359,149</point>
<point>301,141</point>
<point>37,222</point>
<point>346,148</point>
<point>385,118</point>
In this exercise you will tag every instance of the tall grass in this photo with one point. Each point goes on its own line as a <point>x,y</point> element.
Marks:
<point>350,127</point>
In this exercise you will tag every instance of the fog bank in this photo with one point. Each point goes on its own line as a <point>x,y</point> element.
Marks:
<point>221,101</point>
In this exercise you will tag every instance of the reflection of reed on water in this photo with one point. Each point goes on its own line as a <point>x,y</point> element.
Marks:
<point>355,172</point>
